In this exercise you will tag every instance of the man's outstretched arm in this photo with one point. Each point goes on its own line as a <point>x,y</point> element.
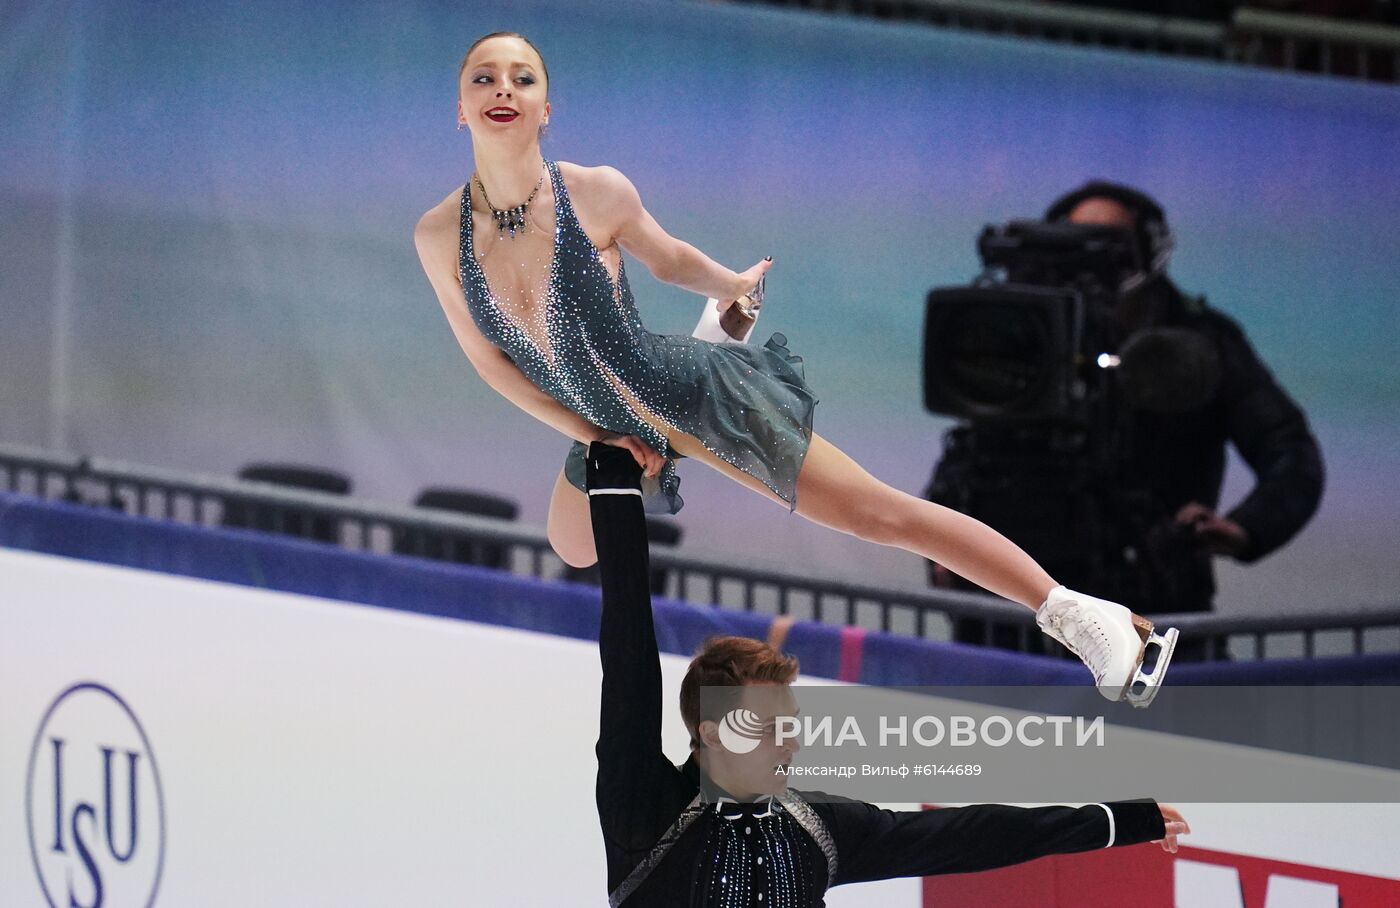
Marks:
<point>876,844</point>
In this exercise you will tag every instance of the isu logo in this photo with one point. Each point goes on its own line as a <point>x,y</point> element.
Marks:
<point>740,730</point>
<point>95,810</point>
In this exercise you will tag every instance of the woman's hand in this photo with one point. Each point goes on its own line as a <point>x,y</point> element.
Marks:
<point>1176,825</point>
<point>748,280</point>
<point>645,455</point>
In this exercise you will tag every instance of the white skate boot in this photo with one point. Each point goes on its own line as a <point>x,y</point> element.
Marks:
<point>1111,640</point>
<point>735,325</point>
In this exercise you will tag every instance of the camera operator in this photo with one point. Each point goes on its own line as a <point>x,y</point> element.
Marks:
<point>1135,515</point>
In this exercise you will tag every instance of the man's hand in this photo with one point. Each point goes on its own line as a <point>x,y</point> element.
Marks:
<point>1176,825</point>
<point>1218,535</point>
<point>645,455</point>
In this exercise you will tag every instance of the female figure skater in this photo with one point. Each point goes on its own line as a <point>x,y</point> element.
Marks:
<point>526,260</point>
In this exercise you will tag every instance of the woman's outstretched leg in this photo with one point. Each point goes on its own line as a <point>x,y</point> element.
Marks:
<point>835,491</point>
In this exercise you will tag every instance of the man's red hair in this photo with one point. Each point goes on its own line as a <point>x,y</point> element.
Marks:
<point>729,662</point>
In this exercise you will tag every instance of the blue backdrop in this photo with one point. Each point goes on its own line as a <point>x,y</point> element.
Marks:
<point>206,215</point>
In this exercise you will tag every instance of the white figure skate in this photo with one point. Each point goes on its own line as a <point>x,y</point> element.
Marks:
<point>1111,640</point>
<point>740,319</point>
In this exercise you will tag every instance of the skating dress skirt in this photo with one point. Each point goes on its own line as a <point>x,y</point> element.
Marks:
<point>585,346</point>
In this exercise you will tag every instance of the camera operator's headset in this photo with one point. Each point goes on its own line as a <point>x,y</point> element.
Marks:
<point>1154,238</point>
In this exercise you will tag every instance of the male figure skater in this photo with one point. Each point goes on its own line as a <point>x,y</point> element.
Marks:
<point>723,829</point>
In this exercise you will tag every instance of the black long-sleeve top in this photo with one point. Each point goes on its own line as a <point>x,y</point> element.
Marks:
<point>760,854</point>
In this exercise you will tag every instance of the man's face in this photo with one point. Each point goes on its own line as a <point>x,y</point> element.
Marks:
<point>757,771</point>
<point>1102,211</point>
<point>1105,212</point>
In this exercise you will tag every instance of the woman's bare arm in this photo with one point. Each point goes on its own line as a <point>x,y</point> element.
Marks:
<point>667,258</point>
<point>436,238</point>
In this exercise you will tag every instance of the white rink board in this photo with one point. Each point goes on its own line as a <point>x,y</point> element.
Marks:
<point>315,752</point>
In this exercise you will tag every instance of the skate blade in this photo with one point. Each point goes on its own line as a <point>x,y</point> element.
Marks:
<point>1144,686</point>
<point>1144,631</point>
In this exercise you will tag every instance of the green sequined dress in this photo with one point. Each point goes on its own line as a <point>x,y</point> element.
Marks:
<point>581,341</point>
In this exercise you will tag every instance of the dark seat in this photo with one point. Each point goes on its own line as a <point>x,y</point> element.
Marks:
<point>292,520</point>
<point>660,532</point>
<point>448,546</point>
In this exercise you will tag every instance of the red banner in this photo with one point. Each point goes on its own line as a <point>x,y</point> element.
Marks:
<point>1145,876</point>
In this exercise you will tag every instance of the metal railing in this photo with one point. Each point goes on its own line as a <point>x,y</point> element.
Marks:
<point>1254,37</point>
<point>1053,22</point>
<point>1357,49</point>
<point>203,500</point>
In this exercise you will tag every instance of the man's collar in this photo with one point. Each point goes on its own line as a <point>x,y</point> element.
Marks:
<point>725,803</point>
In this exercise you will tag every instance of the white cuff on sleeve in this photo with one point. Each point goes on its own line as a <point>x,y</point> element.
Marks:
<point>1112,832</point>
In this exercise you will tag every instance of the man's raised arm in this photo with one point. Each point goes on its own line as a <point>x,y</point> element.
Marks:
<point>635,780</point>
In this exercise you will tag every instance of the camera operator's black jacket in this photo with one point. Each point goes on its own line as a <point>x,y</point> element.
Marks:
<point>1139,557</point>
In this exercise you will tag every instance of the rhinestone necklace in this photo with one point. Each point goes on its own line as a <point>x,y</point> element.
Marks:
<point>509,219</point>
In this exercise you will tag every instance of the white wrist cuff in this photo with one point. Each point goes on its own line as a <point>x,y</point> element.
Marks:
<point>1112,832</point>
